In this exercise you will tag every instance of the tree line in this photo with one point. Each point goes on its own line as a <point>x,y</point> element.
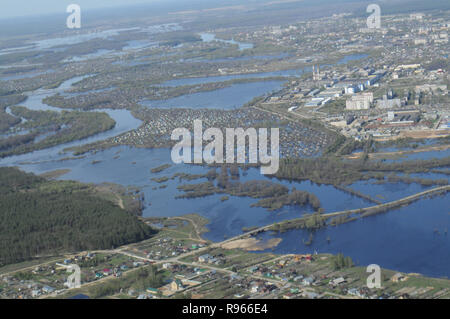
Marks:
<point>40,217</point>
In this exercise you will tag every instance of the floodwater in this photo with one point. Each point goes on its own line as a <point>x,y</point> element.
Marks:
<point>228,98</point>
<point>209,37</point>
<point>409,239</point>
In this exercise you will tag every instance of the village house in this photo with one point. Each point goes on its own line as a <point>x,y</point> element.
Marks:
<point>310,295</point>
<point>153,291</point>
<point>176,285</point>
<point>308,281</point>
<point>204,258</point>
<point>288,295</point>
<point>48,289</point>
<point>337,281</point>
<point>356,292</point>
<point>398,277</point>
<point>256,287</point>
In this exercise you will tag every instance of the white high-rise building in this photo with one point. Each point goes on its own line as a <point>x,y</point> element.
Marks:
<point>361,101</point>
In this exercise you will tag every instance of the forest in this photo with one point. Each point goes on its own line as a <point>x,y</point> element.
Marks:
<point>7,120</point>
<point>271,195</point>
<point>334,171</point>
<point>42,218</point>
<point>56,128</point>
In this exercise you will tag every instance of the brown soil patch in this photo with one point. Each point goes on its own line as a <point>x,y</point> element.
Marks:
<point>252,244</point>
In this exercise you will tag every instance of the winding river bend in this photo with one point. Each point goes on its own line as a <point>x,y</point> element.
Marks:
<point>124,122</point>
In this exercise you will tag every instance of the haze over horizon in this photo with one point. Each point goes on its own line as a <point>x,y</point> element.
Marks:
<point>22,8</point>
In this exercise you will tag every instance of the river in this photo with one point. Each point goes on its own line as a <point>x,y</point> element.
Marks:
<point>403,239</point>
<point>410,239</point>
<point>123,118</point>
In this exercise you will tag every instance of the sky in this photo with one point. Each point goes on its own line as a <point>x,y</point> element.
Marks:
<point>21,8</point>
<point>16,8</point>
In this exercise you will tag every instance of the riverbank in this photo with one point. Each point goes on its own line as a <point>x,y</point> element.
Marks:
<point>252,244</point>
<point>398,154</point>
